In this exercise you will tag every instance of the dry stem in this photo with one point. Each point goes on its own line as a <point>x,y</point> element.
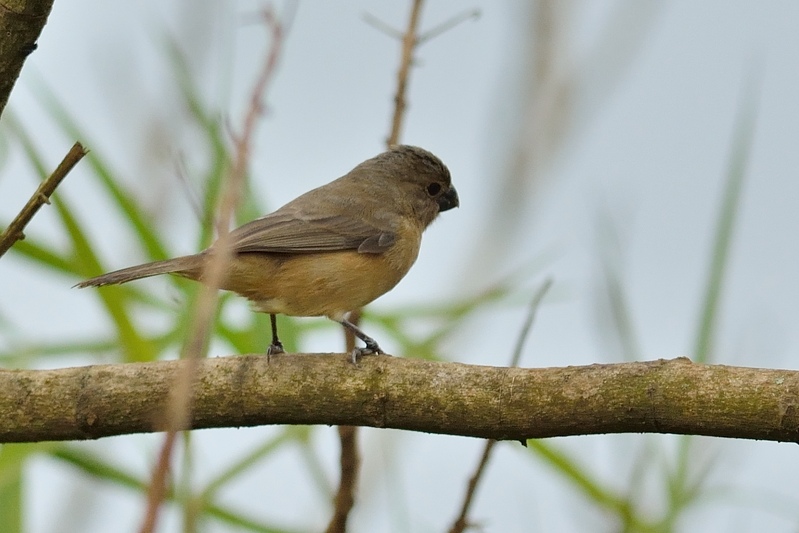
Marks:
<point>348,436</point>
<point>16,230</point>
<point>409,42</point>
<point>179,407</point>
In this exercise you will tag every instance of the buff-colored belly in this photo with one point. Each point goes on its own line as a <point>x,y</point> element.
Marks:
<point>321,284</point>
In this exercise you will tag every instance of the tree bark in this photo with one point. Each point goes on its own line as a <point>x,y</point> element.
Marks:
<point>21,23</point>
<point>664,396</point>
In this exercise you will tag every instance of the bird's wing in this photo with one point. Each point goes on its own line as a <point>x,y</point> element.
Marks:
<point>285,232</point>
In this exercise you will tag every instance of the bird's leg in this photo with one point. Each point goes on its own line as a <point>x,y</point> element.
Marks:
<point>276,346</point>
<point>371,345</point>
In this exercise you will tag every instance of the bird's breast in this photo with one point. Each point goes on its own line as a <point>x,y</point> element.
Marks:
<point>322,284</point>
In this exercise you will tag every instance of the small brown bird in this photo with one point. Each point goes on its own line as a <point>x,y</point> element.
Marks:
<point>331,250</point>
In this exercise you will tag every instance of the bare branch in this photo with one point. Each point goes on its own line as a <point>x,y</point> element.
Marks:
<point>16,230</point>
<point>409,43</point>
<point>348,436</point>
<point>664,396</point>
<point>350,467</point>
<point>349,459</point>
<point>461,523</point>
<point>21,23</point>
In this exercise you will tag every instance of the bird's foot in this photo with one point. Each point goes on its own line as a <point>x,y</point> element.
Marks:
<point>371,348</point>
<point>275,348</point>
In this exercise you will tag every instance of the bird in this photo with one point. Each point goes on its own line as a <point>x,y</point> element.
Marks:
<point>331,250</point>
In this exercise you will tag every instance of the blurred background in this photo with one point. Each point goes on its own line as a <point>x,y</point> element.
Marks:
<point>642,155</point>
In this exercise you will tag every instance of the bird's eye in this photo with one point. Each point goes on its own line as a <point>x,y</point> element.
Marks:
<point>433,189</point>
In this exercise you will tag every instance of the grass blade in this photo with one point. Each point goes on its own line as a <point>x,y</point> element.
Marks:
<point>131,212</point>
<point>85,261</point>
<point>736,171</point>
<point>89,464</point>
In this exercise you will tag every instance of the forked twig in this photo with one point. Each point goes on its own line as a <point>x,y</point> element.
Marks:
<point>16,230</point>
<point>429,34</point>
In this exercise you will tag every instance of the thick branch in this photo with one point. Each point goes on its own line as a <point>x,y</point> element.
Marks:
<point>21,23</point>
<point>673,396</point>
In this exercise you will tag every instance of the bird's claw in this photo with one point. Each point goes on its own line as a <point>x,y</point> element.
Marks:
<point>371,348</point>
<point>275,348</point>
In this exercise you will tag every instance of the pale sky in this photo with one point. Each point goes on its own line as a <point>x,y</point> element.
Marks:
<point>647,148</point>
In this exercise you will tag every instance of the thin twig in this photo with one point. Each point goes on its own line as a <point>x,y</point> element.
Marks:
<point>409,42</point>
<point>447,25</point>
<point>382,26</point>
<point>348,436</point>
<point>350,467</point>
<point>349,461</point>
<point>430,34</point>
<point>16,230</point>
<point>213,275</point>
<point>461,523</point>
<point>188,190</point>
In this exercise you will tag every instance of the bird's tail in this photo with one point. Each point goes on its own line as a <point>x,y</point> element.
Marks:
<point>179,265</point>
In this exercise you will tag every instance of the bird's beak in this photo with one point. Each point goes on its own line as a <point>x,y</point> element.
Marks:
<point>448,200</point>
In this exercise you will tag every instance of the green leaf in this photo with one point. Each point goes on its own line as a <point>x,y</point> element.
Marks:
<point>12,460</point>
<point>590,488</point>
<point>89,464</point>
<point>289,434</point>
<point>86,262</point>
<point>132,214</point>
<point>681,488</point>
